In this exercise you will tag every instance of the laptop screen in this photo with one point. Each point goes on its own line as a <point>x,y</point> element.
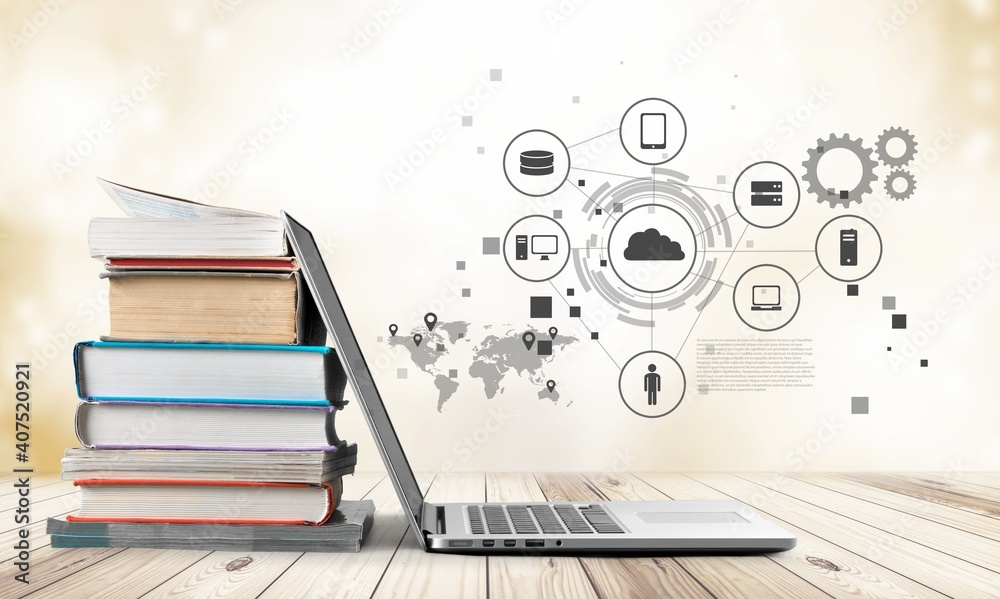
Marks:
<point>347,348</point>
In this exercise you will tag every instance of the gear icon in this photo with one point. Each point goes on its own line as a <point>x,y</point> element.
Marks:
<point>896,133</point>
<point>890,187</point>
<point>842,197</point>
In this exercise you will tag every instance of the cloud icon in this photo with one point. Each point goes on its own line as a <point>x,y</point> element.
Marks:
<point>650,245</point>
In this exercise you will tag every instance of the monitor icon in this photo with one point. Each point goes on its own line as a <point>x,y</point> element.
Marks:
<point>544,245</point>
<point>766,297</point>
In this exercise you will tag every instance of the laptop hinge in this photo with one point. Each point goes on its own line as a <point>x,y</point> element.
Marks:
<point>433,521</point>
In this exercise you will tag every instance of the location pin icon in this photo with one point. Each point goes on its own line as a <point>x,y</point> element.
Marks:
<point>392,329</point>
<point>430,319</point>
<point>552,332</point>
<point>529,339</point>
<point>551,385</point>
<point>417,339</point>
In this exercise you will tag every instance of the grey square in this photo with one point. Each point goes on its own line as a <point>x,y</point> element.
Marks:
<point>852,290</point>
<point>859,405</point>
<point>733,107</point>
<point>400,373</point>
<point>924,363</point>
<point>889,302</point>
<point>480,150</point>
<point>735,76</point>
<point>544,347</point>
<point>557,214</point>
<point>379,339</point>
<point>453,373</point>
<point>710,349</point>
<point>576,99</point>
<point>466,120</point>
<point>899,321</point>
<point>461,335</point>
<point>496,74</point>
<point>616,207</point>
<point>440,346</point>
<point>491,245</point>
<point>651,210</point>
<point>720,179</point>
<point>466,292</point>
<point>460,265</point>
<point>749,244</point>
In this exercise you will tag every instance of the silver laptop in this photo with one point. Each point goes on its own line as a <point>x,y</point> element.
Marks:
<point>575,527</point>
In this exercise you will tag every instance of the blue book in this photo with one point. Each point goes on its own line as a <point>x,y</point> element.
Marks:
<point>293,375</point>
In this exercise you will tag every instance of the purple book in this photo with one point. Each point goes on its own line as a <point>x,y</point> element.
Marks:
<point>173,425</point>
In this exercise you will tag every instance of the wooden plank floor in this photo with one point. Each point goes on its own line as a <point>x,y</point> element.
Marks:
<point>860,535</point>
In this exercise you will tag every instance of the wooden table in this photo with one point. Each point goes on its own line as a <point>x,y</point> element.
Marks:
<point>873,535</point>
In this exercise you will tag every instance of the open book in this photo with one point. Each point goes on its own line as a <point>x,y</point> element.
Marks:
<point>162,227</point>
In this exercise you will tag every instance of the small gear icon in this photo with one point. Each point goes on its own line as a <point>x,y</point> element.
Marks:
<point>846,196</point>
<point>890,188</point>
<point>896,133</point>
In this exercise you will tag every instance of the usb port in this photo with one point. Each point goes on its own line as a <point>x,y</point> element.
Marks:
<point>534,543</point>
<point>509,543</point>
<point>489,543</point>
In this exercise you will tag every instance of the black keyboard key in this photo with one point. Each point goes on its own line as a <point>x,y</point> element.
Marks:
<point>476,520</point>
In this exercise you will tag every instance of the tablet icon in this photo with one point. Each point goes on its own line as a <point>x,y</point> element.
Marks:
<point>653,130</point>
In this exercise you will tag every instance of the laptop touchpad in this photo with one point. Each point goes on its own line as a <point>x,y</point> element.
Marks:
<point>691,518</point>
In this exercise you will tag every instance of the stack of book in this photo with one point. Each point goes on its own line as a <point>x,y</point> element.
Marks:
<point>207,414</point>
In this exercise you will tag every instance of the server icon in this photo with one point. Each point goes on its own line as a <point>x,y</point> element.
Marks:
<point>765,193</point>
<point>537,162</point>
<point>848,247</point>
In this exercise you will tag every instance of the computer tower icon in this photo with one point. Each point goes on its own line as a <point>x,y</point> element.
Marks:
<point>521,247</point>
<point>848,247</point>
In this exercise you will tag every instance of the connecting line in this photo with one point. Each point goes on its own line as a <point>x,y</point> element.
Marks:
<point>590,170</point>
<point>556,289</point>
<point>724,267</point>
<point>651,321</point>
<point>717,224</point>
<point>756,251</point>
<point>591,139</point>
<point>712,280</point>
<point>809,273</point>
<point>595,204</point>
<point>709,188</point>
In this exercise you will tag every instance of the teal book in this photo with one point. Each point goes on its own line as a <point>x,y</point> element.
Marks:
<point>209,373</point>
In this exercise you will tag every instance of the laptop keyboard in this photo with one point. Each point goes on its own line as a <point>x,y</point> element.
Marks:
<point>540,519</point>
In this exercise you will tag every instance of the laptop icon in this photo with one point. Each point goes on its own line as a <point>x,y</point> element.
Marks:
<point>571,527</point>
<point>766,297</point>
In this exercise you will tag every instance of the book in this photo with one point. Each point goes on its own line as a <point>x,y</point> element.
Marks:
<point>344,531</point>
<point>176,425</point>
<point>205,502</point>
<point>209,373</point>
<point>207,306</point>
<point>302,467</point>
<point>279,264</point>
<point>161,226</point>
<point>266,466</point>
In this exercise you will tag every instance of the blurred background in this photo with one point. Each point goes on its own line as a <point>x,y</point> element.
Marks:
<point>350,117</point>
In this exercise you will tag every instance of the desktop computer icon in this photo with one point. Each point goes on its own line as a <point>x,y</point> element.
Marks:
<point>766,297</point>
<point>848,247</point>
<point>544,245</point>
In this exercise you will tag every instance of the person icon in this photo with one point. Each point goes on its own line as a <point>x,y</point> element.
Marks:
<point>651,385</point>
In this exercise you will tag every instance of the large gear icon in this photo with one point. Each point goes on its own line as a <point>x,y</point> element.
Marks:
<point>833,196</point>
<point>911,184</point>
<point>896,133</point>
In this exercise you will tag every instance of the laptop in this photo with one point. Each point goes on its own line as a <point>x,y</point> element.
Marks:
<point>766,297</point>
<point>530,528</point>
